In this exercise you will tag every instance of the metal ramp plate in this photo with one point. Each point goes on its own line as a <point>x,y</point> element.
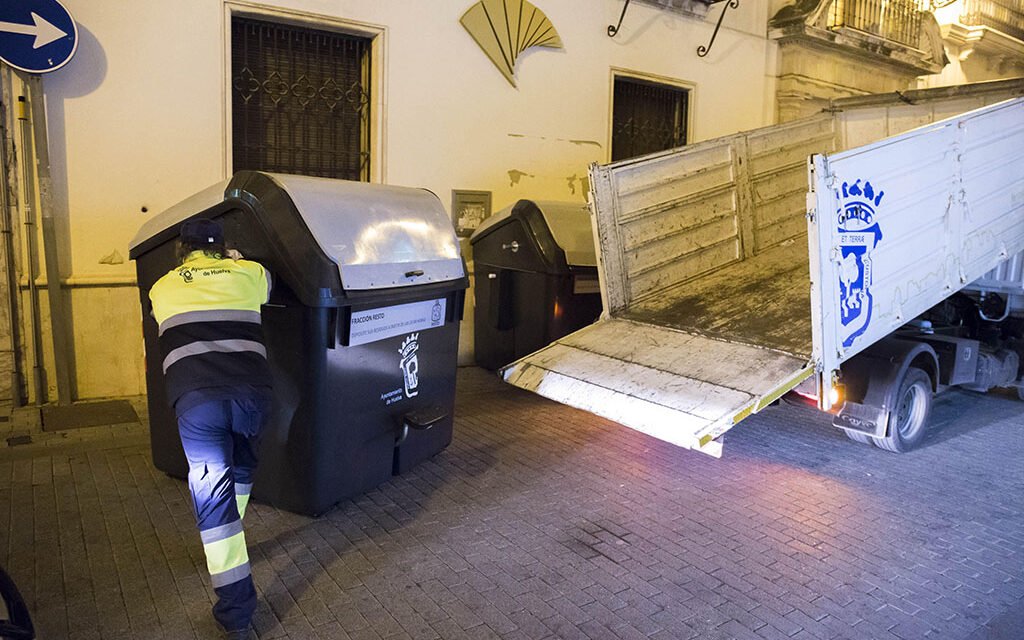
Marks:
<point>678,387</point>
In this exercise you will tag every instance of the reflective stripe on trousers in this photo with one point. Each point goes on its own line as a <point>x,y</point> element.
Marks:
<point>227,559</point>
<point>242,493</point>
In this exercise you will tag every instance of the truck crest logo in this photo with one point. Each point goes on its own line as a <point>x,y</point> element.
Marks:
<point>859,234</point>
<point>410,364</point>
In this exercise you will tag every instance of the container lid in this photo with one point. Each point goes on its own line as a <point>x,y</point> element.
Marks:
<point>377,234</point>
<point>568,222</point>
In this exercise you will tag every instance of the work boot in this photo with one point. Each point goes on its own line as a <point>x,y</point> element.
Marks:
<point>236,604</point>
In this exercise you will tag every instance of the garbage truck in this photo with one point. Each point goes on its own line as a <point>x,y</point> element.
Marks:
<point>863,258</point>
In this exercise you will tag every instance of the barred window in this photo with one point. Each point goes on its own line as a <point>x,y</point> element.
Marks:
<point>647,117</point>
<point>300,100</point>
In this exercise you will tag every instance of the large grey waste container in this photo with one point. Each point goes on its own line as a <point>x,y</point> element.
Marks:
<point>362,328</point>
<point>536,279</point>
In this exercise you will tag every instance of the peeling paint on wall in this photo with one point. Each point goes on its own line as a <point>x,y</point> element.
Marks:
<point>112,258</point>
<point>594,143</point>
<point>515,175</point>
<point>584,184</point>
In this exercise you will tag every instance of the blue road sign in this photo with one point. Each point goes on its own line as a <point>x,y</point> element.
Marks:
<point>36,35</point>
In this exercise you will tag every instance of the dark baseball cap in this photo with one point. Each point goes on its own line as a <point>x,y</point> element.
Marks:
<point>202,231</point>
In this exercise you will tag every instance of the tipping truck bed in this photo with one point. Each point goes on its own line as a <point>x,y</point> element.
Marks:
<point>706,273</point>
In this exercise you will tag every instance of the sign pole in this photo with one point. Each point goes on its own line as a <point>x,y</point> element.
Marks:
<point>55,292</point>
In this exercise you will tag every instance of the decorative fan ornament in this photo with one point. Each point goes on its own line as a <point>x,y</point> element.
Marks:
<point>506,28</point>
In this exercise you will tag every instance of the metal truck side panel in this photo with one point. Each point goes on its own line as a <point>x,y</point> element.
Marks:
<point>869,118</point>
<point>905,222</point>
<point>670,217</point>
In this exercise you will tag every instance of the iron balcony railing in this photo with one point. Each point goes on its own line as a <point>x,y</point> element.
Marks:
<point>896,20</point>
<point>1002,15</point>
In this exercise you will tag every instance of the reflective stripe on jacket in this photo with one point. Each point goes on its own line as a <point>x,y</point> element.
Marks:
<point>211,335</point>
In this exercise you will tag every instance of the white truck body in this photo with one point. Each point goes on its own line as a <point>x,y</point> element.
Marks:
<point>902,224</point>
<point>728,279</point>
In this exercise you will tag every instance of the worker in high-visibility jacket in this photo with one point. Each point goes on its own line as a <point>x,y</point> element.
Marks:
<point>218,381</point>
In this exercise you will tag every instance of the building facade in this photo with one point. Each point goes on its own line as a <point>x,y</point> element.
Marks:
<point>841,48</point>
<point>984,40</point>
<point>150,111</point>
<point>495,100</point>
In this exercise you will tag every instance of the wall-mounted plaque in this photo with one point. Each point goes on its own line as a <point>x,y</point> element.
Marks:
<point>469,209</point>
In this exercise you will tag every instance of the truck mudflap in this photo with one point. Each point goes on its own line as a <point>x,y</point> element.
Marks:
<point>675,386</point>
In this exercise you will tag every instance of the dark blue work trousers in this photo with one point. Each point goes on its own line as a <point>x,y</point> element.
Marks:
<point>219,431</point>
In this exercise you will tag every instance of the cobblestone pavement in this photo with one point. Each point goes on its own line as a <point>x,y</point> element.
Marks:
<point>540,521</point>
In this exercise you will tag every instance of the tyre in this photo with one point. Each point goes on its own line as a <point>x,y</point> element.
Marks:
<point>909,418</point>
<point>857,436</point>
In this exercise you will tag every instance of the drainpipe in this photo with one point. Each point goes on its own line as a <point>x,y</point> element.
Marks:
<point>29,200</point>
<point>8,213</point>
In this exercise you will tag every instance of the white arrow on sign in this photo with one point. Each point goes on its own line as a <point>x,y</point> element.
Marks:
<point>44,32</point>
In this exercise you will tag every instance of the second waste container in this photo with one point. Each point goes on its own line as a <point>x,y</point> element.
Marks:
<point>536,279</point>
<point>362,328</point>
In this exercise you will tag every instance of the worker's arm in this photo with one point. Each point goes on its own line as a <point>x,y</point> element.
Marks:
<point>235,254</point>
<point>270,282</point>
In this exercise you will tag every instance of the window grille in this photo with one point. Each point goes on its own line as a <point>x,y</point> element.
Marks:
<point>300,100</point>
<point>647,117</point>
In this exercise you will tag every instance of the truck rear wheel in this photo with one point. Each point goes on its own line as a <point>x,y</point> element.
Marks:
<point>909,417</point>
<point>857,436</point>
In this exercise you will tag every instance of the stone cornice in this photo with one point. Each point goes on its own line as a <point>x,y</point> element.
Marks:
<point>984,40</point>
<point>874,49</point>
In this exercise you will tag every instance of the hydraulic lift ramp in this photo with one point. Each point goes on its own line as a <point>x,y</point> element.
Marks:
<point>678,387</point>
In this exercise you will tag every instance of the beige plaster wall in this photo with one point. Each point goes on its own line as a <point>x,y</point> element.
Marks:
<point>106,338</point>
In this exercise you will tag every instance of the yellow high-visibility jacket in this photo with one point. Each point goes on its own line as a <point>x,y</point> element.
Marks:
<point>211,332</point>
